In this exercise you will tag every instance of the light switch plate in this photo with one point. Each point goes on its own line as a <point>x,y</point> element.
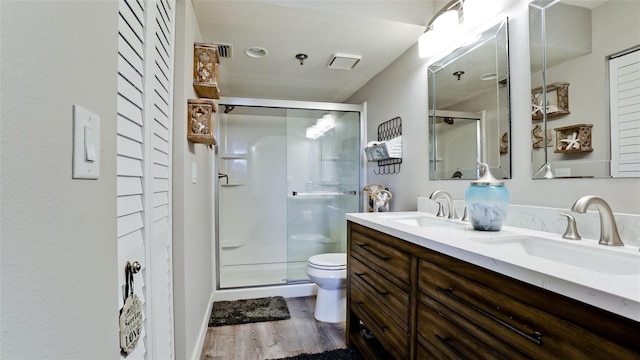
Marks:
<point>86,148</point>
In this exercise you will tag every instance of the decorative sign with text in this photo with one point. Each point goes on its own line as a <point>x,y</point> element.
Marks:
<point>130,323</point>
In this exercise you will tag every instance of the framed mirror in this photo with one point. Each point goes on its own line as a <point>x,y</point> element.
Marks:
<point>469,108</point>
<point>585,96</point>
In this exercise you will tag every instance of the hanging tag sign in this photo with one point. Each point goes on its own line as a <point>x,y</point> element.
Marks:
<point>130,323</point>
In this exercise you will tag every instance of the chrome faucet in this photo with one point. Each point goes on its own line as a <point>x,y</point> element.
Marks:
<point>441,193</point>
<point>608,230</point>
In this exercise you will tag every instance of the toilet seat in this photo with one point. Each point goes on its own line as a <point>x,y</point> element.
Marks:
<point>329,261</point>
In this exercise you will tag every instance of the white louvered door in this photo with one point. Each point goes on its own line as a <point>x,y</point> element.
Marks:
<point>624,90</point>
<point>145,71</point>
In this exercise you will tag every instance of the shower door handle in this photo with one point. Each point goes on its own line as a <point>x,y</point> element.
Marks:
<point>324,193</point>
<point>225,176</point>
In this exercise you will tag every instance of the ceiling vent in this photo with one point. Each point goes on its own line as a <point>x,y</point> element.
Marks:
<point>343,61</point>
<point>225,51</point>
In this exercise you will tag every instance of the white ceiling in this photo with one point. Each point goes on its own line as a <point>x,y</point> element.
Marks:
<point>379,31</point>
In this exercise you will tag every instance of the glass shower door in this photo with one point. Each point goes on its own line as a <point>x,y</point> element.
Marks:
<point>287,177</point>
<point>323,177</point>
<point>251,196</point>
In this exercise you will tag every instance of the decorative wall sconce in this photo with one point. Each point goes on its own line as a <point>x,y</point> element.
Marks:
<point>200,114</point>
<point>205,70</point>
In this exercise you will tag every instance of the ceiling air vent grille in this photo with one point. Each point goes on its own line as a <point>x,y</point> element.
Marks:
<point>225,51</point>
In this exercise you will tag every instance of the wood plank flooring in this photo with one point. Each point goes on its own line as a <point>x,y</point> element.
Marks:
<point>275,339</point>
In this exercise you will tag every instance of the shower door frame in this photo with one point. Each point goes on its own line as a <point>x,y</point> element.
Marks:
<point>283,104</point>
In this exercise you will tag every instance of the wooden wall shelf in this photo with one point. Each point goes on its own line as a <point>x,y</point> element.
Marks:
<point>200,113</point>
<point>557,101</point>
<point>573,138</point>
<point>205,70</point>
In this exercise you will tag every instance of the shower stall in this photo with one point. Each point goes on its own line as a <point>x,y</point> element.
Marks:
<point>456,144</point>
<point>288,171</point>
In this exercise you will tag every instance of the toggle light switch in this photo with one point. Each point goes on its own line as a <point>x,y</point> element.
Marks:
<point>86,144</point>
<point>89,144</point>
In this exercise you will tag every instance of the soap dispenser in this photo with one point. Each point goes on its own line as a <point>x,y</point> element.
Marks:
<point>487,201</point>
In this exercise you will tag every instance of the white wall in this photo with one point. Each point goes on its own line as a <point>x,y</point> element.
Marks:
<point>401,90</point>
<point>58,235</point>
<point>193,218</point>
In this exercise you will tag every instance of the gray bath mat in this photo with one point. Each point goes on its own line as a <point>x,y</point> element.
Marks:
<point>340,354</point>
<point>248,311</point>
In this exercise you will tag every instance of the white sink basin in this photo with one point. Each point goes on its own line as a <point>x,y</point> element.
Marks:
<point>417,220</point>
<point>598,258</point>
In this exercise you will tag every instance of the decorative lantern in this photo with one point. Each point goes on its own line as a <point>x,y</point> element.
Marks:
<point>200,115</point>
<point>205,70</point>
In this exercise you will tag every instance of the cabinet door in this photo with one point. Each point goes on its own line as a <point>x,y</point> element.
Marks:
<point>390,334</point>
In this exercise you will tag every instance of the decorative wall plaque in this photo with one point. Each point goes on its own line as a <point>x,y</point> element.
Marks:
<point>538,137</point>
<point>130,323</point>
<point>131,312</point>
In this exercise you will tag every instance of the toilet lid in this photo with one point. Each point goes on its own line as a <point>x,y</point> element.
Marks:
<point>329,261</point>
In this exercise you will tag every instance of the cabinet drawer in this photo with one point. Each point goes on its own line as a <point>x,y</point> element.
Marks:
<point>436,319</point>
<point>384,328</point>
<point>532,331</point>
<point>437,332</point>
<point>390,296</point>
<point>375,251</point>
<point>425,350</point>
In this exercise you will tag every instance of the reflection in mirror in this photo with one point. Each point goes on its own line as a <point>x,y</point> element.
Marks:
<point>469,114</point>
<point>454,138</point>
<point>585,99</point>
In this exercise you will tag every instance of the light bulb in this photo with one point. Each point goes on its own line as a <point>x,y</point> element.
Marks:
<point>447,21</point>
<point>428,44</point>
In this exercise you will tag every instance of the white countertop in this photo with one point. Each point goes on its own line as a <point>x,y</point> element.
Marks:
<point>617,293</point>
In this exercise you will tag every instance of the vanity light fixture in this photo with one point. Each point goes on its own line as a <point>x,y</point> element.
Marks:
<point>458,23</point>
<point>322,125</point>
<point>442,28</point>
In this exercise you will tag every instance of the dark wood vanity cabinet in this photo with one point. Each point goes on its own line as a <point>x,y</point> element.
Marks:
<point>379,291</point>
<point>409,302</point>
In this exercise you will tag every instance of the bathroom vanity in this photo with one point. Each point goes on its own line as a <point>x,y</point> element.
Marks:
<point>420,287</point>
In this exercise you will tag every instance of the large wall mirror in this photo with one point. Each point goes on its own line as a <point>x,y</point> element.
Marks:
<point>469,114</point>
<point>585,97</point>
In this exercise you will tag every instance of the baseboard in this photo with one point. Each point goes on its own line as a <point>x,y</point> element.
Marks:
<point>286,291</point>
<point>197,352</point>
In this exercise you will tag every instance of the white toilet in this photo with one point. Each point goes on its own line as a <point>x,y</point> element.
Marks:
<point>329,272</point>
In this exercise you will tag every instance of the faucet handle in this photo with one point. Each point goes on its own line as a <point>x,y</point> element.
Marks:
<point>571,232</point>
<point>465,215</point>
<point>440,211</point>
